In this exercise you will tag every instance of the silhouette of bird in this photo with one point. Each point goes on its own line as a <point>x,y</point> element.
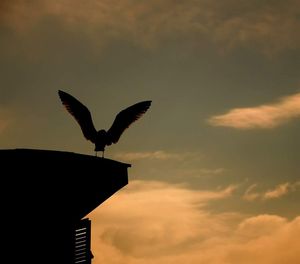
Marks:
<point>102,138</point>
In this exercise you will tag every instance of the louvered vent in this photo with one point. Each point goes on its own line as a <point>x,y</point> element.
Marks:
<point>82,242</point>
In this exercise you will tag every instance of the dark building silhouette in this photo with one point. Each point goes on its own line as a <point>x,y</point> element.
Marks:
<point>46,196</point>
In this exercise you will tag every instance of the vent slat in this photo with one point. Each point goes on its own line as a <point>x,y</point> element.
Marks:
<point>80,239</point>
<point>82,242</point>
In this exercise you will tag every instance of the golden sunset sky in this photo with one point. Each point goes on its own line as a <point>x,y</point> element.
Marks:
<point>215,174</point>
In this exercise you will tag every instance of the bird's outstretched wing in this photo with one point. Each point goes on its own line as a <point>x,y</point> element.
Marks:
<point>124,119</point>
<point>81,113</point>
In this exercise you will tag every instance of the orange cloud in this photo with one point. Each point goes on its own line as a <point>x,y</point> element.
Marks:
<point>263,116</point>
<point>271,27</point>
<point>250,195</point>
<point>279,191</point>
<point>261,225</point>
<point>154,222</point>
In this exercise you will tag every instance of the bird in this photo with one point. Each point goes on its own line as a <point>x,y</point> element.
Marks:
<point>102,138</point>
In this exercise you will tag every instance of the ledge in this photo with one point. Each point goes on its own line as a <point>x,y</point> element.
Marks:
<point>59,184</point>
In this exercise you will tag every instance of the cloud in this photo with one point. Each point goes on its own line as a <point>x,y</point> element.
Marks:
<point>155,222</point>
<point>279,191</point>
<point>261,225</point>
<point>189,172</point>
<point>216,171</point>
<point>159,155</point>
<point>261,117</point>
<point>140,221</point>
<point>270,26</point>
<point>155,155</point>
<point>250,195</point>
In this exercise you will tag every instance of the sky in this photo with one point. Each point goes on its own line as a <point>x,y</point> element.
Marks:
<point>215,163</point>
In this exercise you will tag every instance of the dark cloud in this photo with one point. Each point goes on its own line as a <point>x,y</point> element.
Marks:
<point>270,26</point>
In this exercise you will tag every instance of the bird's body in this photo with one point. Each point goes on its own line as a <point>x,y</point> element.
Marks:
<point>102,138</point>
